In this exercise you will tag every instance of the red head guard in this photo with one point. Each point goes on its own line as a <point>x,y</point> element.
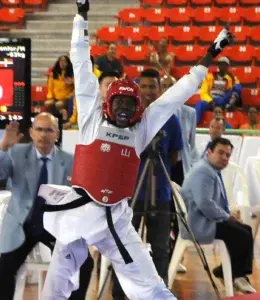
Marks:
<point>123,87</point>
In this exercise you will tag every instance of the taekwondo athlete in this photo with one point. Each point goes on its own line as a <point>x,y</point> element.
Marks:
<point>95,210</point>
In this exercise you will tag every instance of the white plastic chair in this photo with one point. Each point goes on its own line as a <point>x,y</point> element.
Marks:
<point>182,245</point>
<point>37,261</point>
<point>242,186</point>
<point>5,197</point>
<point>250,147</point>
<point>69,140</point>
<point>237,191</point>
<point>104,277</point>
<point>252,171</point>
<point>201,142</point>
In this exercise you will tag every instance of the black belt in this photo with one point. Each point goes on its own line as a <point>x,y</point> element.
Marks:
<point>84,199</point>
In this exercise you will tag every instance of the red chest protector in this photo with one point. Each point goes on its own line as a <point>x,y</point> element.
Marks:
<point>107,169</point>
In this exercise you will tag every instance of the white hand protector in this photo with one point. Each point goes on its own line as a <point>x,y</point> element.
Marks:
<point>224,39</point>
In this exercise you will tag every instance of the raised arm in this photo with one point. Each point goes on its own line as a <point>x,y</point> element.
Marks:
<point>86,83</point>
<point>157,114</point>
<point>11,137</point>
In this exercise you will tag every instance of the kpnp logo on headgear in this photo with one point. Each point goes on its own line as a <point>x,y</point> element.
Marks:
<point>126,88</point>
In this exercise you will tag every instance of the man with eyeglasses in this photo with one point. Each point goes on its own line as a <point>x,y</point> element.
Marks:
<point>29,166</point>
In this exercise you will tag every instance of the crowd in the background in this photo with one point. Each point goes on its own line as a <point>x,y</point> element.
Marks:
<point>220,92</point>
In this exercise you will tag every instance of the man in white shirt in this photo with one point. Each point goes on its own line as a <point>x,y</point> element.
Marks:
<point>104,174</point>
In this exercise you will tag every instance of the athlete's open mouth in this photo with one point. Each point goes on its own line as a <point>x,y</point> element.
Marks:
<point>123,116</point>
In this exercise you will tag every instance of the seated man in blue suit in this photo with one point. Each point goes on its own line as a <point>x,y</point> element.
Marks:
<point>29,166</point>
<point>209,216</point>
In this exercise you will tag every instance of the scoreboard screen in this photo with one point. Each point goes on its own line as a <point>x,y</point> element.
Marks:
<point>15,80</point>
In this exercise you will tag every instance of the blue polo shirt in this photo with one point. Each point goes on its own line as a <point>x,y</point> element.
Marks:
<point>170,142</point>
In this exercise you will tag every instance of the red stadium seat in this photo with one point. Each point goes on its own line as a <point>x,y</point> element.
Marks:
<point>12,15</point>
<point>108,34</point>
<point>205,15</point>
<point>39,3</point>
<point>152,2</point>
<point>156,15</point>
<point>207,117</point>
<point>226,2</point>
<point>185,34</point>
<point>11,2</point>
<point>254,34</point>
<point>240,53</point>
<point>97,50</point>
<point>251,97</point>
<point>134,71</point>
<point>136,53</point>
<point>201,2</point>
<point>252,15</point>
<point>180,15</point>
<point>188,53</point>
<point>241,33</point>
<point>134,34</point>
<point>257,55</point>
<point>178,72</point>
<point>230,15</point>
<point>177,2</point>
<point>208,34</point>
<point>249,2</point>
<point>130,15</point>
<point>156,33</point>
<point>193,100</point>
<point>39,93</point>
<point>234,118</point>
<point>247,75</point>
<point>212,69</point>
<point>120,49</point>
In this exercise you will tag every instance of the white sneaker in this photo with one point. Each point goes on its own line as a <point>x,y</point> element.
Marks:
<point>243,285</point>
<point>181,269</point>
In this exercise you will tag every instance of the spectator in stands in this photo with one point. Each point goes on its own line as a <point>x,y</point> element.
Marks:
<point>253,121</point>
<point>187,118</point>
<point>209,216</point>
<point>60,84</point>
<point>187,156</point>
<point>218,88</point>
<point>219,112</point>
<point>105,79</point>
<point>166,82</point>
<point>216,129</point>
<point>29,166</point>
<point>158,225</point>
<point>161,58</point>
<point>109,62</point>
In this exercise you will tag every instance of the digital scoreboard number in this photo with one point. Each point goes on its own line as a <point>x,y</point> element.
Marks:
<point>15,80</point>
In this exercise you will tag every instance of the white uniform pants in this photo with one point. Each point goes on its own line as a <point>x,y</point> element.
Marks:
<point>139,279</point>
